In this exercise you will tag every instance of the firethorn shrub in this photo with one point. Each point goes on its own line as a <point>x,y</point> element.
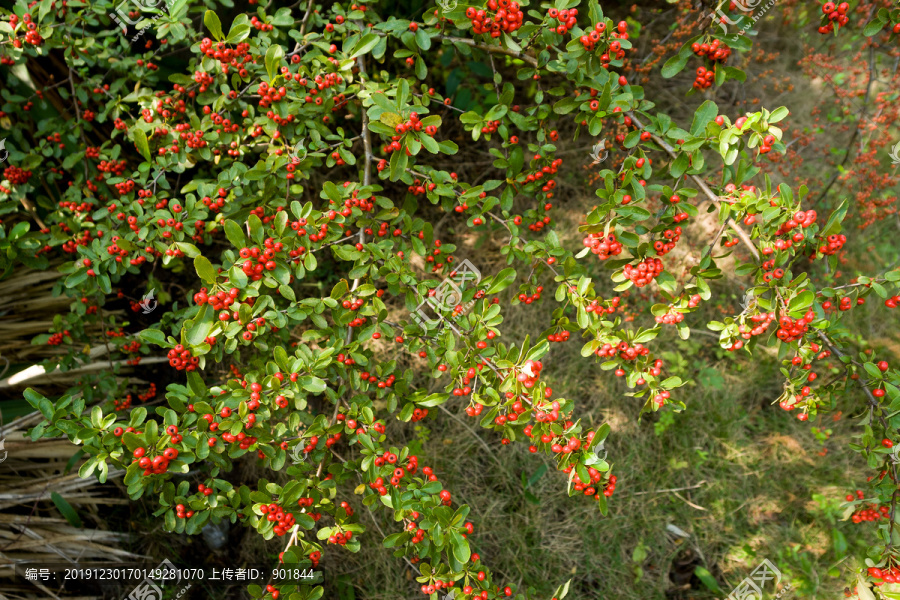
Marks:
<point>291,170</point>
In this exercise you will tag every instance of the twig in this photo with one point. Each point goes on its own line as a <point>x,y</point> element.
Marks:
<point>492,49</point>
<point>688,502</point>
<point>681,489</point>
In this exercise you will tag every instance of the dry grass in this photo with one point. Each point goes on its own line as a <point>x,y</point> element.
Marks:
<point>33,529</point>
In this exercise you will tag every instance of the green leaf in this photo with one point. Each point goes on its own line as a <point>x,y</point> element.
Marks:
<point>368,41</point>
<point>873,27</point>
<point>708,580</point>
<point>205,269</point>
<point>778,114</point>
<point>706,113</point>
<point>66,509</point>
<point>562,590</point>
<point>273,60</point>
<point>834,221</point>
<point>313,384</point>
<point>235,234</point>
<point>212,22</point>
<point>238,33</point>
<point>422,39</point>
<point>461,549</point>
<point>502,280</point>
<point>195,382</point>
<point>673,66</point>
<point>154,336</point>
<point>200,327</point>
<point>140,140</point>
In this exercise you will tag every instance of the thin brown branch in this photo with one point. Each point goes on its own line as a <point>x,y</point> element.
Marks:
<point>712,196</point>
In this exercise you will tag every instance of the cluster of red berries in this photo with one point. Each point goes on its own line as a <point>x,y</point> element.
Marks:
<point>507,18</point>
<point>275,514</point>
<point>603,247</point>
<point>594,306</point>
<point>672,317</point>
<point>790,329</point>
<point>31,34</point>
<point>716,51</point>
<point>589,40</point>
<point>566,19</point>
<point>761,323</point>
<point>646,271</point>
<point>204,489</point>
<point>613,52</point>
<point>835,14</point>
<point>887,575</point>
<point>833,244</point>
<point>156,465</point>
<point>590,488</point>
<point>465,390</point>
<point>15,175</point>
<point>562,336</point>
<point>365,376</point>
<point>355,305</point>
<point>270,95</point>
<point>540,172</point>
<point>217,204</point>
<point>260,25</point>
<point>418,536</point>
<point>671,236</point>
<point>399,472</point>
<point>474,410</point>
<point>625,352</point>
<point>490,126</point>
<point>56,138</point>
<point>871,512</point>
<point>182,512</point>
<point>892,302</point>
<point>234,57</point>
<point>611,486</point>
<point>513,414</point>
<point>258,261</point>
<point>181,358</point>
<point>57,338</point>
<point>766,146</point>
<point>313,442</point>
<point>529,373</point>
<point>419,414</point>
<point>251,330</point>
<point>417,189</point>
<point>844,304</point>
<point>705,78</point>
<point>219,300</point>
<point>526,299</point>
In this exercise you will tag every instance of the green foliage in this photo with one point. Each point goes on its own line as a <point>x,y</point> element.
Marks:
<point>302,138</point>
